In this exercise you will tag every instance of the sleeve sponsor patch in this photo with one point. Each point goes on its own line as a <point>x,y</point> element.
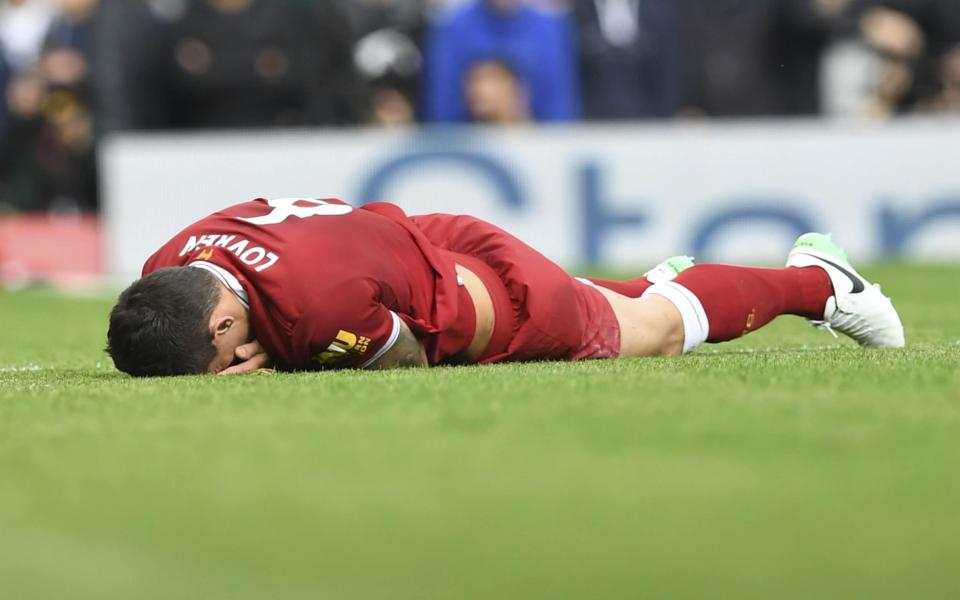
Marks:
<point>345,345</point>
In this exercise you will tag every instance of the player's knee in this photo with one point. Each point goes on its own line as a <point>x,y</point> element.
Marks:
<point>650,326</point>
<point>671,341</point>
<point>664,329</point>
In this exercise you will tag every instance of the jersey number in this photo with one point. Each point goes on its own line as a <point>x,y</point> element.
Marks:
<point>284,208</point>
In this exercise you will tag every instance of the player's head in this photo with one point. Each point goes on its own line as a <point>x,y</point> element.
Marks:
<point>175,321</point>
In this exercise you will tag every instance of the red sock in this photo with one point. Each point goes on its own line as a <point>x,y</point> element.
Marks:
<point>738,300</point>
<point>631,288</point>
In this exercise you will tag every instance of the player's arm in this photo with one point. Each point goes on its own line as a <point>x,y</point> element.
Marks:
<point>407,351</point>
<point>348,327</point>
<point>250,358</point>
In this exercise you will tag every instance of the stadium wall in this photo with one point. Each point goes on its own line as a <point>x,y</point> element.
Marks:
<point>618,195</point>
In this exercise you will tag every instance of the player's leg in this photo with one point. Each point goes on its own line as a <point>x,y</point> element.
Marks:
<point>649,326</point>
<point>716,303</point>
<point>737,300</point>
<point>634,288</point>
<point>857,308</point>
<point>551,315</point>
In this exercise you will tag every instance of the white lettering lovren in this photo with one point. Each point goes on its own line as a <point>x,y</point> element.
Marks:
<point>259,258</point>
<point>271,260</point>
<point>284,208</point>
<point>253,255</point>
<point>189,246</point>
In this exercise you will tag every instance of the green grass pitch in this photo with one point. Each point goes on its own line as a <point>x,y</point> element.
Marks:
<point>785,465</point>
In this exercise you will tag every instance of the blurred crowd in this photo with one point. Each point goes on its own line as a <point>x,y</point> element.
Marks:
<point>74,70</point>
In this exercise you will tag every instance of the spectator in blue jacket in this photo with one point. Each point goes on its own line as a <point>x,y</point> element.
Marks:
<point>540,48</point>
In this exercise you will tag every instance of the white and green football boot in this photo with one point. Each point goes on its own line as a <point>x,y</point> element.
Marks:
<point>668,269</point>
<point>858,308</point>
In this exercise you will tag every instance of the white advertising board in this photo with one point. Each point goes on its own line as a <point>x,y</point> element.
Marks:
<point>623,196</point>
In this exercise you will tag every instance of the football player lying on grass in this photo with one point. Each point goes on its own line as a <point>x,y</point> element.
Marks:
<point>318,284</point>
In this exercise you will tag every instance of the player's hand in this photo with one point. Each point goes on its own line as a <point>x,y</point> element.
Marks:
<point>253,359</point>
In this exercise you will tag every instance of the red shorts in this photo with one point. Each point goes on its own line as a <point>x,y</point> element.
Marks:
<point>541,312</point>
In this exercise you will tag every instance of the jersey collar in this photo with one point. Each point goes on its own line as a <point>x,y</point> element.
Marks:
<point>226,278</point>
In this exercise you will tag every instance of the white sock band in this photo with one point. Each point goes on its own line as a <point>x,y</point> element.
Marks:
<point>696,328</point>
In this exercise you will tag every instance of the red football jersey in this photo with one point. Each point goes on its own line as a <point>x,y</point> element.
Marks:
<point>327,283</point>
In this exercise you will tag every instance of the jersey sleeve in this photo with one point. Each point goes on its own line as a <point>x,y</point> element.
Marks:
<point>347,328</point>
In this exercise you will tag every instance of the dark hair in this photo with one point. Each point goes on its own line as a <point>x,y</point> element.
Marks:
<point>160,324</point>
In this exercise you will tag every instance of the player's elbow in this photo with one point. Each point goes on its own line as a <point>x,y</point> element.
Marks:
<point>406,352</point>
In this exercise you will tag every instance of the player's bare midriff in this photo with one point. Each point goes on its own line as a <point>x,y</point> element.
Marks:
<point>483,307</point>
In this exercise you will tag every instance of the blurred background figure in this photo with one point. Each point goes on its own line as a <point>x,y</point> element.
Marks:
<point>747,58</point>
<point>47,149</point>
<point>72,71</point>
<point>630,58</point>
<point>890,57</point>
<point>5,75</point>
<point>198,64</point>
<point>24,25</point>
<point>258,63</point>
<point>929,33</point>
<point>874,66</point>
<point>388,57</point>
<point>129,51</point>
<point>23,29</point>
<point>539,46</point>
<point>948,100</point>
<point>75,72</point>
<point>495,94</point>
<point>945,40</point>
